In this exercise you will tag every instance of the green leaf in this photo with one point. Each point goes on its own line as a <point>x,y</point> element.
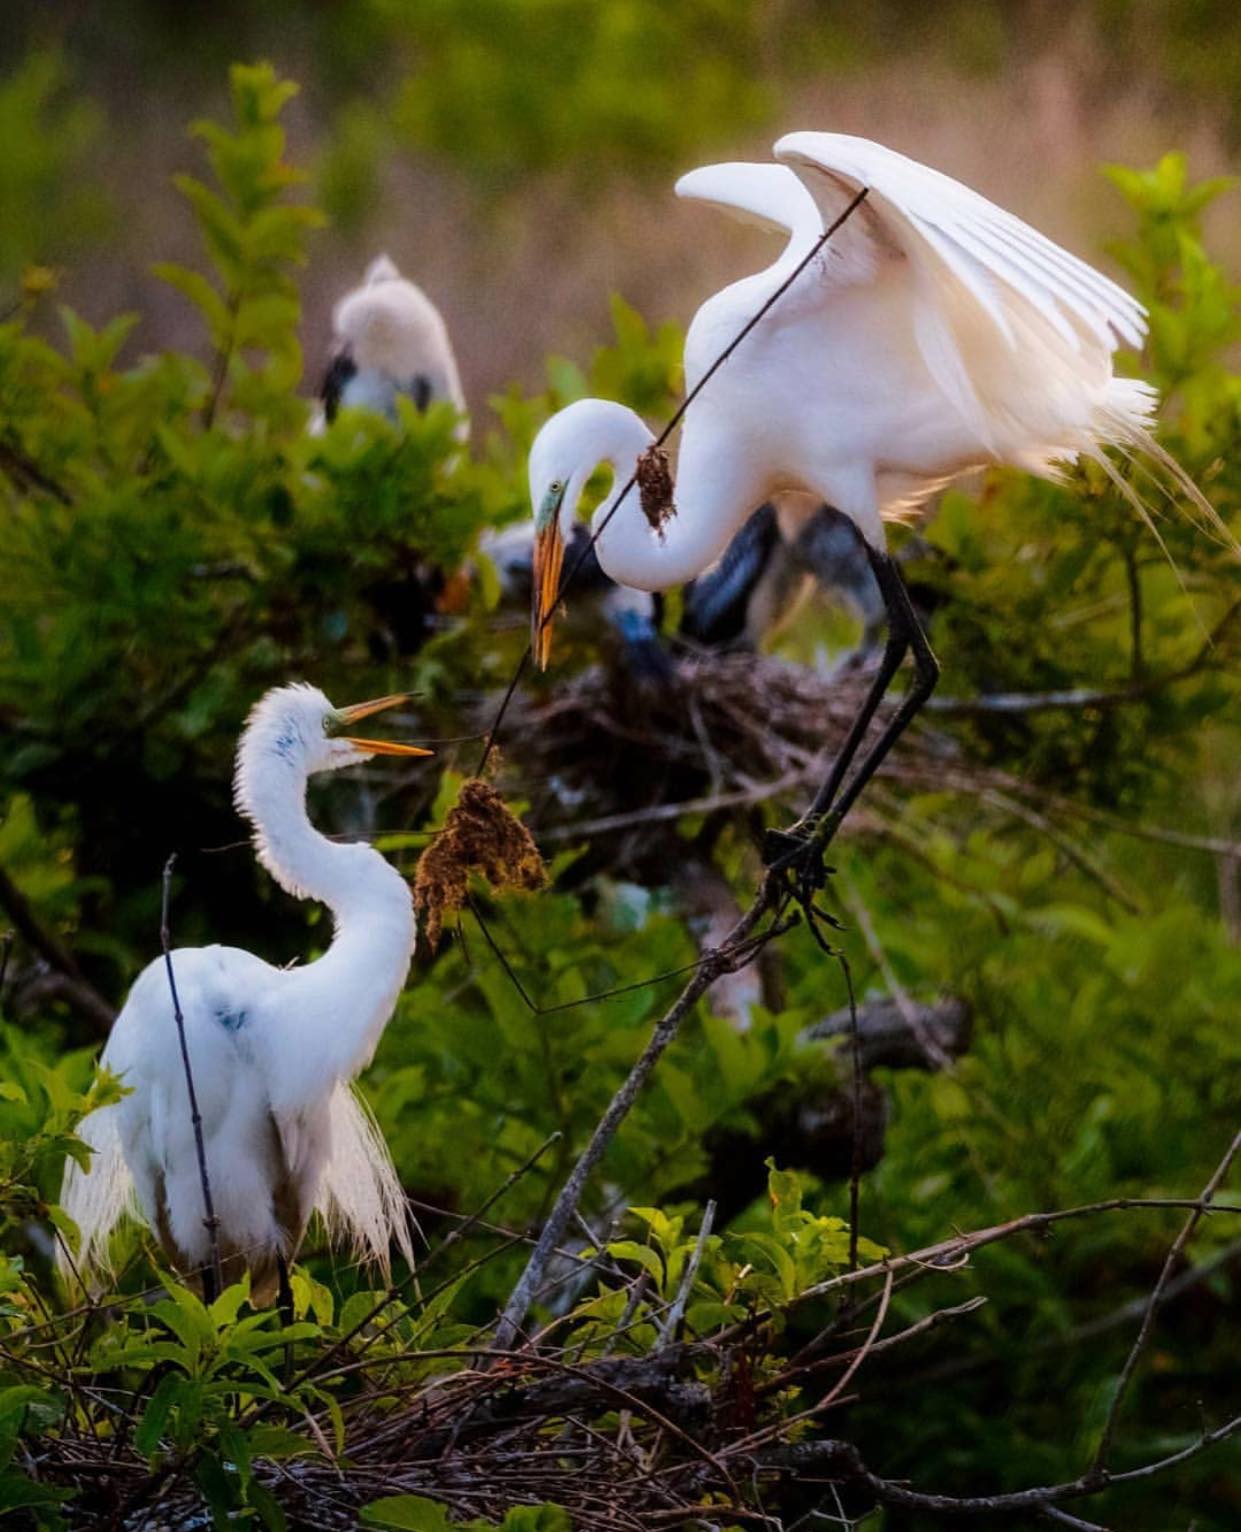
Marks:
<point>266,1504</point>
<point>227,1306</point>
<point>406,1513</point>
<point>155,1417</point>
<point>278,1443</point>
<point>631,1250</point>
<point>194,286</point>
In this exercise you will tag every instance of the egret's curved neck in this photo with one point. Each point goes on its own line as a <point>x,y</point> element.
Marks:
<point>352,879</point>
<point>348,994</point>
<point>629,549</point>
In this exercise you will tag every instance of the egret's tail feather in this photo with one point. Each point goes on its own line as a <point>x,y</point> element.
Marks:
<point>360,1195</point>
<point>1126,421</point>
<point>96,1198</point>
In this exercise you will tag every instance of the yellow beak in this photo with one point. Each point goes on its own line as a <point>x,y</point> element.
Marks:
<point>360,710</point>
<point>548,560</point>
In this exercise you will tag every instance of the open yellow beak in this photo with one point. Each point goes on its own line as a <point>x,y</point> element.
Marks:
<point>548,560</point>
<point>360,710</point>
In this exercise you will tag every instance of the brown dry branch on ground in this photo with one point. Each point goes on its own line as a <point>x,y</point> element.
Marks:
<point>633,1425</point>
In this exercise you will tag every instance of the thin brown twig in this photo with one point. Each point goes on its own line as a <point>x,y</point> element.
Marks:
<point>210,1221</point>
<point>1103,1452</point>
<point>865,1349</point>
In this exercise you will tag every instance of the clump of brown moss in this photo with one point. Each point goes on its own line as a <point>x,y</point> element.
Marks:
<point>655,487</point>
<point>480,834</point>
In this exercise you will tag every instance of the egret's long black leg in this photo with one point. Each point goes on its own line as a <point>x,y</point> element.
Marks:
<point>806,841</point>
<point>902,626</point>
<point>284,1289</point>
<point>211,1288</point>
<point>926,674</point>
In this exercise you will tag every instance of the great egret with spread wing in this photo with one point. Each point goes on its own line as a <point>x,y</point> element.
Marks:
<point>273,1050</point>
<point>933,333</point>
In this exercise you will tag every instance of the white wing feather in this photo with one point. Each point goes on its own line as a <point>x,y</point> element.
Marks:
<point>991,253</point>
<point>360,1194</point>
<point>96,1198</point>
<point>1017,332</point>
<point>771,196</point>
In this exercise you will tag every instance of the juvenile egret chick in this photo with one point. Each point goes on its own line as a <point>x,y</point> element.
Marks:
<point>389,339</point>
<point>772,565</point>
<point>272,1050</point>
<point>932,334</point>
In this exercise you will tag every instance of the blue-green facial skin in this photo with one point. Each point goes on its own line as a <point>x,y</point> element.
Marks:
<point>550,508</point>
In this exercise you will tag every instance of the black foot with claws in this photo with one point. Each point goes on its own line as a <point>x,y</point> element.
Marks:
<point>796,857</point>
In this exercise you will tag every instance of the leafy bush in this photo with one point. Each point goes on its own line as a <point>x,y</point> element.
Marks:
<point>175,543</point>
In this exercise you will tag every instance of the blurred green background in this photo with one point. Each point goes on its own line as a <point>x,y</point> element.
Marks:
<point>490,145</point>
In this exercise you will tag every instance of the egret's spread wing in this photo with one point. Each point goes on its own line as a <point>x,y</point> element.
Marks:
<point>1017,332</point>
<point>995,257</point>
<point>771,196</point>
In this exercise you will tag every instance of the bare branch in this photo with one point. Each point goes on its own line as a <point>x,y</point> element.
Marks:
<point>739,949</point>
<point>672,1320</point>
<point>1148,1318</point>
<point>211,1222</point>
<point>1064,1519</point>
<point>842,1460</point>
<point>79,992</point>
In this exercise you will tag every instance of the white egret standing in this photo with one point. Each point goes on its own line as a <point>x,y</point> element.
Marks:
<point>932,334</point>
<point>273,1050</point>
<point>389,339</point>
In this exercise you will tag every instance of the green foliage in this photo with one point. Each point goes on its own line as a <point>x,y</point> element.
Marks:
<point>176,542</point>
<point>252,238</point>
<point>415,1513</point>
<point>577,85</point>
<point>48,199</point>
<point>41,1101</point>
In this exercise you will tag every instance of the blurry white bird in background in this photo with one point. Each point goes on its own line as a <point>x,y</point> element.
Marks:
<point>389,339</point>
<point>932,334</point>
<point>273,1050</point>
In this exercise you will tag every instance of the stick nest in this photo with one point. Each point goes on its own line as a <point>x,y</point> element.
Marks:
<point>605,755</point>
<point>481,834</point>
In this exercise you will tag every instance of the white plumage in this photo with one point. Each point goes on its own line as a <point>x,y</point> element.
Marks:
<point>273,1050</point>
<point>389,340</point>
<point>934,333</point>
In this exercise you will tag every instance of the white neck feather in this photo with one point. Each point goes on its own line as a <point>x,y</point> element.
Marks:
<point>629,549</point>
<point>352,989</point>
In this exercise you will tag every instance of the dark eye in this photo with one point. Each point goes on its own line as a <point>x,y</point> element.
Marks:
<point>557,486</point>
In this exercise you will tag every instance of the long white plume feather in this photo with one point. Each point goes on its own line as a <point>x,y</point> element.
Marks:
<point>360,1195</point>
<point>96,1198</point>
